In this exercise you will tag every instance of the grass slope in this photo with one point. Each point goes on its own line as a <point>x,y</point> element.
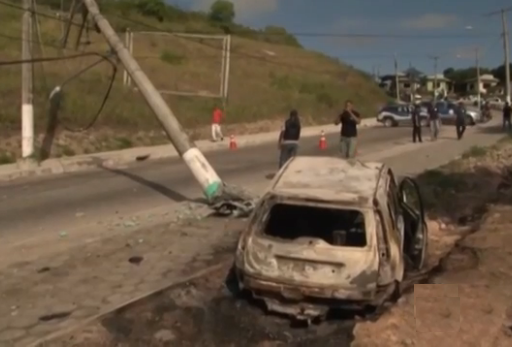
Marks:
<point>266,80</point>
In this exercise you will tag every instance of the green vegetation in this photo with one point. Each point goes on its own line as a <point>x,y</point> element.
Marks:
<point>475,152</point>
<point>270,73</point>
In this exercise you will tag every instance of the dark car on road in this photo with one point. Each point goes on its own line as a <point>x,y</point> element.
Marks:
<point>399,115</point>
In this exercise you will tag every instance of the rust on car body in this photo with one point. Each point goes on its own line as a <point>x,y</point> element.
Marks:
<point>306,276</point>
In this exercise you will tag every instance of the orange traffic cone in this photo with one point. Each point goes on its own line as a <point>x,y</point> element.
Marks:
<point>232,143</point>
<point>322,144</point>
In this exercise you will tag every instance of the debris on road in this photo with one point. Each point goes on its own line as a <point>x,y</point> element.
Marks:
<point>465,298</point>
<point>234,201</point>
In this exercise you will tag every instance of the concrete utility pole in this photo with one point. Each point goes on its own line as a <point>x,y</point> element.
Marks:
<point>213,187</point>
<point>397,87</point>
<point>477,62</point>
<point>507,54</point>
<point>506,48</point>
<point>435,58</point>
<point>27,107</point>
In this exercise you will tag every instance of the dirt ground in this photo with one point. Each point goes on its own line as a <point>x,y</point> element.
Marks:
<point>465,300</point>
<point>468,301</point>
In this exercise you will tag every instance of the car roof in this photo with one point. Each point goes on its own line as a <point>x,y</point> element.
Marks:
<point>329,179</point>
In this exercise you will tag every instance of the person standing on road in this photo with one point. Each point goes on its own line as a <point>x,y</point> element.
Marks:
<point>416,123</point>
<point>349,119</point>
<point>486,111</point>
<point>460,120</point>
<point>289,138</point>
<point>217,117</point>
<point>433,117</point>
<point>507,113</point>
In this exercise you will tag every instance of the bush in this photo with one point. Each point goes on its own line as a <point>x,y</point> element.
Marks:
<point>172,58</point>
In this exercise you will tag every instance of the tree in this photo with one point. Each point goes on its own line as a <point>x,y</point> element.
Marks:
<point>413,74</point>
<point>499,72</point>
<point>222,12</point>
<point>448,72</point>
<point>462,75</point>
<point>152,8</point>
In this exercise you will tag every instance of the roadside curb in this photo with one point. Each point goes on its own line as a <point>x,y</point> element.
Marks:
<point>23,169</point>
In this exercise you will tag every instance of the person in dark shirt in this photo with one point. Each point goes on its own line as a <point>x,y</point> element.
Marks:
<point>416,123</point>
<point>289,138</point>
<point>349,119</point>
<point>433,118</point>
<point>460,120</point>
<point>507,113</point>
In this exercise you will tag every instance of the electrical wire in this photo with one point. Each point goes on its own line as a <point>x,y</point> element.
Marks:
<point>57,91</point>
<point>105,98</point>
<point>42,14</point>
<point>306,34</point>
<point>295,66</point>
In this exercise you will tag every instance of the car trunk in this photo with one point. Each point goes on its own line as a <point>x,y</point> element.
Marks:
<point>314,245</point>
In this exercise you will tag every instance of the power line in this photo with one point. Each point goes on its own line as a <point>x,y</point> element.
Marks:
<point>297,34</point>
<point>40,13</point>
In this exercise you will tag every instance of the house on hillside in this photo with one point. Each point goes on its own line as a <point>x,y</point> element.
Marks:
<point>487,83</point>
<point>405,83</point>
<point>438,83</point>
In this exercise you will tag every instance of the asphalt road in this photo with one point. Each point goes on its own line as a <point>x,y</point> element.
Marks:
<point>70,200</point>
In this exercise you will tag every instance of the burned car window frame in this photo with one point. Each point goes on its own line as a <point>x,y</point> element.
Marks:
<point>272,199</point>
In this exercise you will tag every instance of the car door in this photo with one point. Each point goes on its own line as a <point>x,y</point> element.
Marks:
<point>415,245</point>
<point>442,110</point>
<point>451,113</point>
<point>394,226</point>
<point>403,115</point>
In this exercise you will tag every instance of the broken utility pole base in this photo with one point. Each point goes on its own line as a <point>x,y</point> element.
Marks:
<point>225,200</point>
<point>233,201</point>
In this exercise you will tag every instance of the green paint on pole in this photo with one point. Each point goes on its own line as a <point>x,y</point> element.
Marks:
<point>212,189</point>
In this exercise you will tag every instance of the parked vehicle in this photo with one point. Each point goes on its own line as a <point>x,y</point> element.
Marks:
<point>331,233</point>
<point>399,114</point>
<point>446,112</point>
<point>492,100</point>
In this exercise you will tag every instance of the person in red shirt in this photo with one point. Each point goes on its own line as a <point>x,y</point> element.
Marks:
<point>216,120</point>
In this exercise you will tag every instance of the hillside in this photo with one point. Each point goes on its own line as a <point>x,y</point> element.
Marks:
<point>269,74</point>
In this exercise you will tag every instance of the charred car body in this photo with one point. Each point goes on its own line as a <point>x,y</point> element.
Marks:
<point>331,233</point>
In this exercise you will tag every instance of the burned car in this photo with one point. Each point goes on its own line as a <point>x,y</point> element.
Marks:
<point>331,233</point>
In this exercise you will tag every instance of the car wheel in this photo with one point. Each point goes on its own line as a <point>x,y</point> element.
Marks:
<point>470,120</point>
<point>388,122</point>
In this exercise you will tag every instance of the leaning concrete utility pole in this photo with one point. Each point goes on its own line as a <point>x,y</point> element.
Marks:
<point>27,107</point>
<point>216,192</point>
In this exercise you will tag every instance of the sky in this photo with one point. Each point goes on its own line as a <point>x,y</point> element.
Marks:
<point>450,29</point>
